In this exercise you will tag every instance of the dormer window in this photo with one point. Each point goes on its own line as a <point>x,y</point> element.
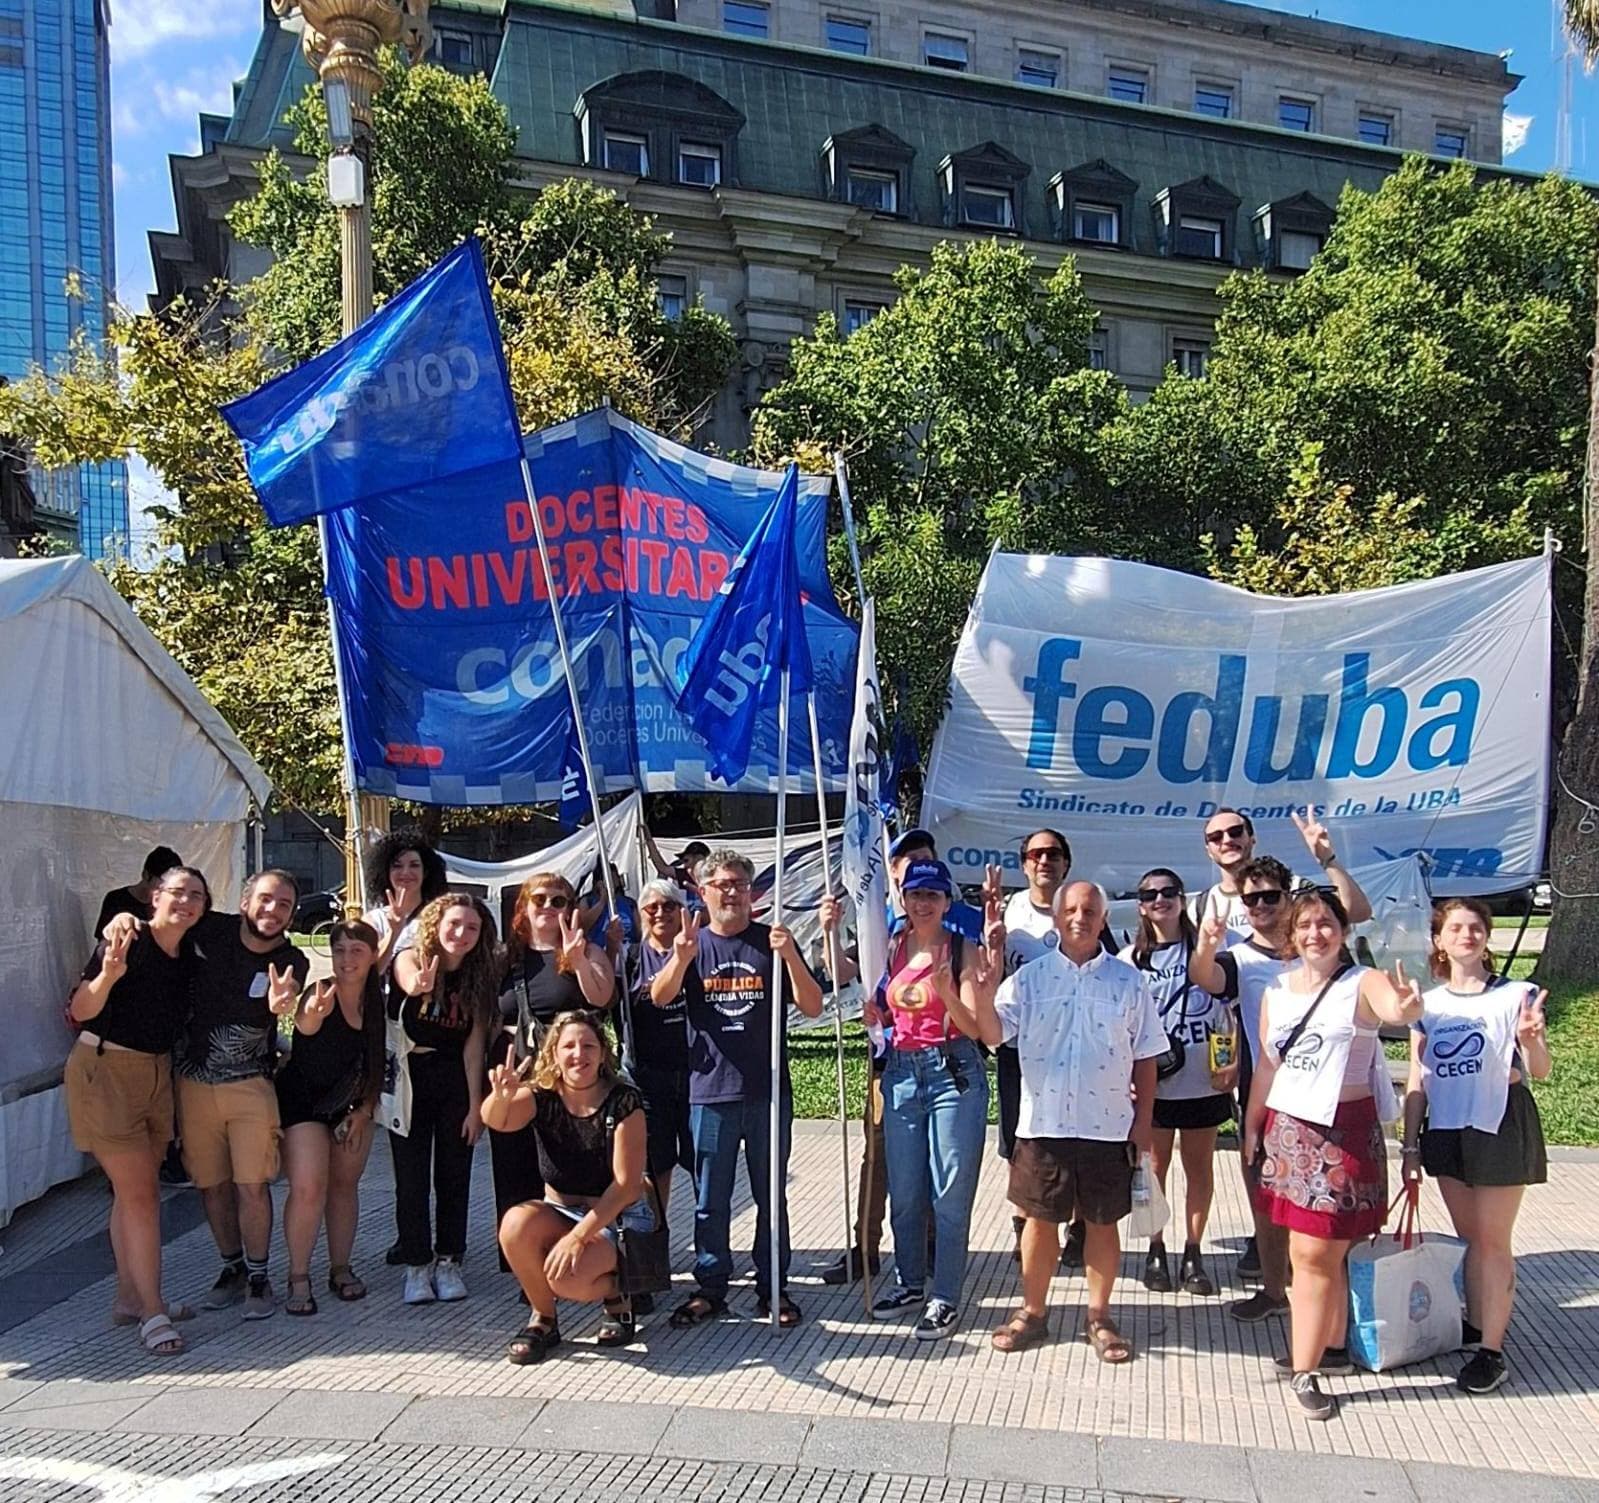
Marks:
<point>870,189</point>
<point>699,165</point>
<point>1197,220</point>
<point>1292,230</point>
<point>983,188</point>
<point>991,205</point>
<point>660,126</point>
<point>625,152</point>
<point>1093,205</point>
<point>868,167</point>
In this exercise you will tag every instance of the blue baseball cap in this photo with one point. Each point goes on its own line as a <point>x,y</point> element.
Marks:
<point>909,841</point>
<point>928,876</point>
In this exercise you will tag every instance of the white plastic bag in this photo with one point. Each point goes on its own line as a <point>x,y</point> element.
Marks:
<point>1150,1212</point>
<point>1406,1294</point>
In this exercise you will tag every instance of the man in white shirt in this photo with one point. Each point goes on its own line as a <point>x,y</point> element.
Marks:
<point>1230,844</point>
<point>1087,1034</point>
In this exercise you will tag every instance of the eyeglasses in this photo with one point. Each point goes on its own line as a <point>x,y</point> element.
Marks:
<point>651,909</point>
<point>1254,900</point>
<point>1154,894</point>
<point>731,884</point>
<point>186,894</point>
<point>1232,832</point>
<point>556,900</point>
<point>1044,853</point>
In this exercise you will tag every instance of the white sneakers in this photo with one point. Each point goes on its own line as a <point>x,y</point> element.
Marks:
<point>447,1280</point>
<point>419,1285</point>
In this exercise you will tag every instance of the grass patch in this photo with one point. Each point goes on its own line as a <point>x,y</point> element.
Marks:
<point>811,1055</point>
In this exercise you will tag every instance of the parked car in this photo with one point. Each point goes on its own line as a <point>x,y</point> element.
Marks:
<point>318,911</point>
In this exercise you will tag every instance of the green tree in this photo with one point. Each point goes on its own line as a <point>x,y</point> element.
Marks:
<point>573,276</point>
<point>969,417</point>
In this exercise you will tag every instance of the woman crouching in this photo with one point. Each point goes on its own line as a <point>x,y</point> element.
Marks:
<point>588,1124</point>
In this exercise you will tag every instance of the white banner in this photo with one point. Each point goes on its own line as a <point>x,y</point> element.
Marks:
<point>864,860</point>
<point>1123,704</point>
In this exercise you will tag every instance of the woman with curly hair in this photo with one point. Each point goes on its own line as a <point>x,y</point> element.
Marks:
<point>551,968</point>
<point>403,872</point>
<point>587,1123</point>
<point>442,993</point>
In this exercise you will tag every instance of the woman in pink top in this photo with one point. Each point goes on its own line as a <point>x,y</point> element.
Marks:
<point>935,1101</point>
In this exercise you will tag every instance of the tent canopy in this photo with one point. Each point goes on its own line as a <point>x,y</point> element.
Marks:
<point>109,721</point>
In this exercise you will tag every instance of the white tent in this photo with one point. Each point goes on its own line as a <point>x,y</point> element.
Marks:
<point>106,749</point>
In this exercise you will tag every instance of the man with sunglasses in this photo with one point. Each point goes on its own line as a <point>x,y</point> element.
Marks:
<point>1239,970</point>
<point>730,1078</point>
<point>1230,844</point>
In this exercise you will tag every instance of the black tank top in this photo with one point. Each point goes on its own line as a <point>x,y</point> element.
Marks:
<point>536,991</point>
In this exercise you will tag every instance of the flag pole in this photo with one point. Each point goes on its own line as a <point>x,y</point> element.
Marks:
<point>774,1189</point>
<point>571,686</point>
<point>841,479</point>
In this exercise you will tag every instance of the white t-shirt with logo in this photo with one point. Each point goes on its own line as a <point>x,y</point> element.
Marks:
<point>1029,932</point>
<point>1249,968</point>
<point>1078,1030</point>
<point>1468,1048</point>
<point>1186,1010</point>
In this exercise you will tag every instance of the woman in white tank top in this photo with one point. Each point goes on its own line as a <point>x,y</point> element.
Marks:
<point>1470,1120</point>
<point>1317,1103</point>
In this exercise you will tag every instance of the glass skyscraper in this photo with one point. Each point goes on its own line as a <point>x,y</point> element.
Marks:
<point>56,228</point>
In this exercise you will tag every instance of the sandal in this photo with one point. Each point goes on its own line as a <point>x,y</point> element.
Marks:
<point>617,1327</point>
<point>343,1283</point>
<point>299,1304</point>
<point>1109,1345</point>
<point>534,1342</point>
<point>129,1318</point>
<point>160,1336</point>
<point>788,1313</point>
<point>1020,1332</point>
<point>696,1310</point>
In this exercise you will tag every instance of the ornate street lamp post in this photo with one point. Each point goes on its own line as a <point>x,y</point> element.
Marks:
<point>342,39</point>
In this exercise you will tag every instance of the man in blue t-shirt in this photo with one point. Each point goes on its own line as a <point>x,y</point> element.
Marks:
<point>730,1078</point>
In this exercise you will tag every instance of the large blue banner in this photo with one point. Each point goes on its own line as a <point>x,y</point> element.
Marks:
<point>447,647</point>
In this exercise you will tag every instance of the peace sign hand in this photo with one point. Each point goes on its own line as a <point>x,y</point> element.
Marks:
<point>993,887</point>
<point>1409,991</point>
<point>427,977</point>
<point>283,990</point>
<point>114,962</point>
<point>320,1003</point>
<point>686,942</point>
<point>1213,931</point>
<point>1531,1023</point>
<point>1317,841</point>
<point>401,903</point>
<point>574,942</point>
<point>505,1082</point>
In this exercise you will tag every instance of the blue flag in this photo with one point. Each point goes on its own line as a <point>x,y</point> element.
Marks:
<point>754,629</point>
<point>418,393</point>
<point>575,800</point>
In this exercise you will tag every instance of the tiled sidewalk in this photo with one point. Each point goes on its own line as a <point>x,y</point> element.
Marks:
<point>1200,1377</point>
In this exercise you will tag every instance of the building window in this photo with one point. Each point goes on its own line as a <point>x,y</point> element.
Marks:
<point>671,295</point>
<point>1199,236</point>
<point>699,165</point>
<point>1375,128</point>
<point>846,35</point>
<point>1098,351</point>
<point>1190,356</point>
<point>988,205</point>
<point>940,50</point>
<point>858,314</point>
<point>872,189</point>
<point>1296,249</point>
<point>1451,140</point>
<point>746,18</point>
<point>1099,223</point>
<point>1130,85</point>
<point>454,49</point>
<point>1041,69</point>
<point>1296,114</point>
<point>627,153</point>
<point>1214,99</point>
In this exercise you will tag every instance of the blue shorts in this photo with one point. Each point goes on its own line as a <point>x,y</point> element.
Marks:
<point>638,1217</point>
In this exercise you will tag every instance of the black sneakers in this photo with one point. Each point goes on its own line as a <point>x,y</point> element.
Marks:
<point>1485,1372</point>
<point>1259,1306</point>
<point>937,1321</point>
<point>231,1286</point>
<point>896,1297</point>
<point>1157,1270</point>
<point>1311,1401</point>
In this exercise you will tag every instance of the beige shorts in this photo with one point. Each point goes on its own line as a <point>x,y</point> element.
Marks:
<point>118,1101</point>
<point>229,1132</point>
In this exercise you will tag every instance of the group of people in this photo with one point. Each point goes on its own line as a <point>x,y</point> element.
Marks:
<point>602,1051</point>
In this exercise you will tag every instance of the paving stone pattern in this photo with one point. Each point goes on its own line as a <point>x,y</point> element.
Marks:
<point>1200,1378</point>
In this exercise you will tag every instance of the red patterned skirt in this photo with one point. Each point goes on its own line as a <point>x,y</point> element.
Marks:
<point>1326,1181</point>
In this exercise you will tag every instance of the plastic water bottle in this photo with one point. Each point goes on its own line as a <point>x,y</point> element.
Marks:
<point>1141,1176</point>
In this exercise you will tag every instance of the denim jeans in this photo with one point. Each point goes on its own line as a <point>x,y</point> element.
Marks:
<point>720,1128</point>
<point>933,1134</point>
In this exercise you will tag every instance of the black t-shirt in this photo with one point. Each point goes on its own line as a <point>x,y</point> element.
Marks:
<point>147,1007</point>
<point>119,900</point>
<point>660,1034</point>
<point>575,1152</point>
<point>441,1020</point>
<point>232,1034</point>
<point>533,982</point>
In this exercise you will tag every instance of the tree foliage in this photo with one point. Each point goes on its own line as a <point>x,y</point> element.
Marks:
<point>572,272</point>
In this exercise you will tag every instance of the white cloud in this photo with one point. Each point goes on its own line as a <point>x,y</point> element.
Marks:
<point>141,26</point>
<point>200,91</point>
<point>1513,133</point>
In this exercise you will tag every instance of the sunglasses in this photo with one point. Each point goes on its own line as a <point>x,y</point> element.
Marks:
<point>1232,832</point>
<point>1254,900</point>
<point>556,900</point>
<point>1044,853</point>
<point>1154,894</point>
<point>654,908</point>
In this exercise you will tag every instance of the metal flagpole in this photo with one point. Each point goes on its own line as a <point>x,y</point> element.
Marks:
<point>571,688</point>
<point>774,1217</point>
<point>841,477</point>
<point>831,941</point>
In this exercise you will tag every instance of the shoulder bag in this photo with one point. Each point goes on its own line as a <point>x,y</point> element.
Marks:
<point>643,1258</point>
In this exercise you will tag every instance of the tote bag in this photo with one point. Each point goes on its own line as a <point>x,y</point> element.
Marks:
<point>1406,1293</point>
<point>394,1103</point>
